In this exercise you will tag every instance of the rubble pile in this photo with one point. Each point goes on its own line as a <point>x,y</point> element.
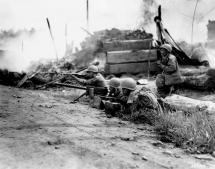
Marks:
<point>38,73</point>
<point>93,44</point>
<point>10,78</point>
<point>116,34</point>
<point>13,78</point>
<point>34,80</point>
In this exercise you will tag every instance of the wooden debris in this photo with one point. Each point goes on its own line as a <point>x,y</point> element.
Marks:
<point>46,84</point>
<point>121,45</point>
<point>132,68</point>
<point>199,82</point>
<point>193,71</point>
<point>129,56</point>
<point>26,77</point>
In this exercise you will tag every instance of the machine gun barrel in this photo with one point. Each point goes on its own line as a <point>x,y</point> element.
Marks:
<point>70,86</point>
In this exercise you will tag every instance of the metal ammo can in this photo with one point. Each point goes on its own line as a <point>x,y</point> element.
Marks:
<point>91,92</point>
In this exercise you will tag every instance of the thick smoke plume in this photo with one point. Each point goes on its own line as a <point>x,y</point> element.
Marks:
<point>148,12</point>
<point>20,49</point>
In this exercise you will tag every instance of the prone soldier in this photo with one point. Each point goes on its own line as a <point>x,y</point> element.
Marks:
<point>121,102</point>
<point>114,87</point>
<point>95,80</point>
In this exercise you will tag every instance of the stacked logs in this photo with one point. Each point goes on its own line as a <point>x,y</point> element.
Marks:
<point>130,56</point>
<point>201,78</point>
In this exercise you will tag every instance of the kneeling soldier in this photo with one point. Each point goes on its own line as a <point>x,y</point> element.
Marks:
<point>171,75</point>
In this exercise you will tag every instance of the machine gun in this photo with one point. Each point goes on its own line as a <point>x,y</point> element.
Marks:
<point>89,90</point>
<point>66,74</point>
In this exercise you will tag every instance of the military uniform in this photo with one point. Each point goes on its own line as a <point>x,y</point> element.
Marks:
<point>170,75</point>
<point>123,101</point>
<point>96,85</point>
<point>145,108</point>
<point>115,93</point>
<point>97,81</point>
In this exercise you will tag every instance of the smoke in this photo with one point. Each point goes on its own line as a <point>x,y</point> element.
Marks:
<point>22,48</point>
<point>178,17</point>
<point>148,12</point>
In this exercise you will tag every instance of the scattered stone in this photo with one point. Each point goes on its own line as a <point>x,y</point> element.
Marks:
<point>135,153</point>
<point>139,128</point>
<point>177,156</point>
<point>57,142</point>
<point>49,143</point>
<point>167,153</point>
<point>127,138</point>
<point>203,157</point>
<point>46,106</point>
<point>144,158</point>
<point>112,144</point>
<point>158,144</point>
<point>17,97</point>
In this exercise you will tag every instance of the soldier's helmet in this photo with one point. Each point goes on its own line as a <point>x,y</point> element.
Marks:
<point>93,69</point>
<point>114,82</point>
<point>167,47</point>
<point>128,83</point>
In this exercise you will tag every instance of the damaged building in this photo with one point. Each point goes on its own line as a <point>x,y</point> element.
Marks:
<point>211,30</point>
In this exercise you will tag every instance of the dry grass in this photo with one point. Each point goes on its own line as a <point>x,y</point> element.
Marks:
<point>195,132</point>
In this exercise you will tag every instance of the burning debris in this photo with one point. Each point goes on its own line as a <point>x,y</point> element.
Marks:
<point>93,45</point>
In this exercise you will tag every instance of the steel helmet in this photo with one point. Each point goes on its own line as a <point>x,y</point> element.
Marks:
<point>128,83</point>
<point>167,47</point>
<point>93,68</point>
<point>114,82</point>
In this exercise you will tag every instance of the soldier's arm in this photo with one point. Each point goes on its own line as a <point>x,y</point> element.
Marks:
<point>82,81</point>
<point>171,66</point>
<point>90,81</point>
<point>160,64</point>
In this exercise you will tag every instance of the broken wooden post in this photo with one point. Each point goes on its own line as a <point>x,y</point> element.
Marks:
<point>26,77</point>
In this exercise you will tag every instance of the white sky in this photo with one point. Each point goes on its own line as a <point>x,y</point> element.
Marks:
<point>123,14</point>
<point>103,14</point>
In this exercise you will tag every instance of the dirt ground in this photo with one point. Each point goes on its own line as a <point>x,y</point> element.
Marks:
<point>40,129</point>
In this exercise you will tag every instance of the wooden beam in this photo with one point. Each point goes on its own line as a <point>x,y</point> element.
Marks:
<point>130,56</point>
<point>121,45</point>
<point>132,68</point>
